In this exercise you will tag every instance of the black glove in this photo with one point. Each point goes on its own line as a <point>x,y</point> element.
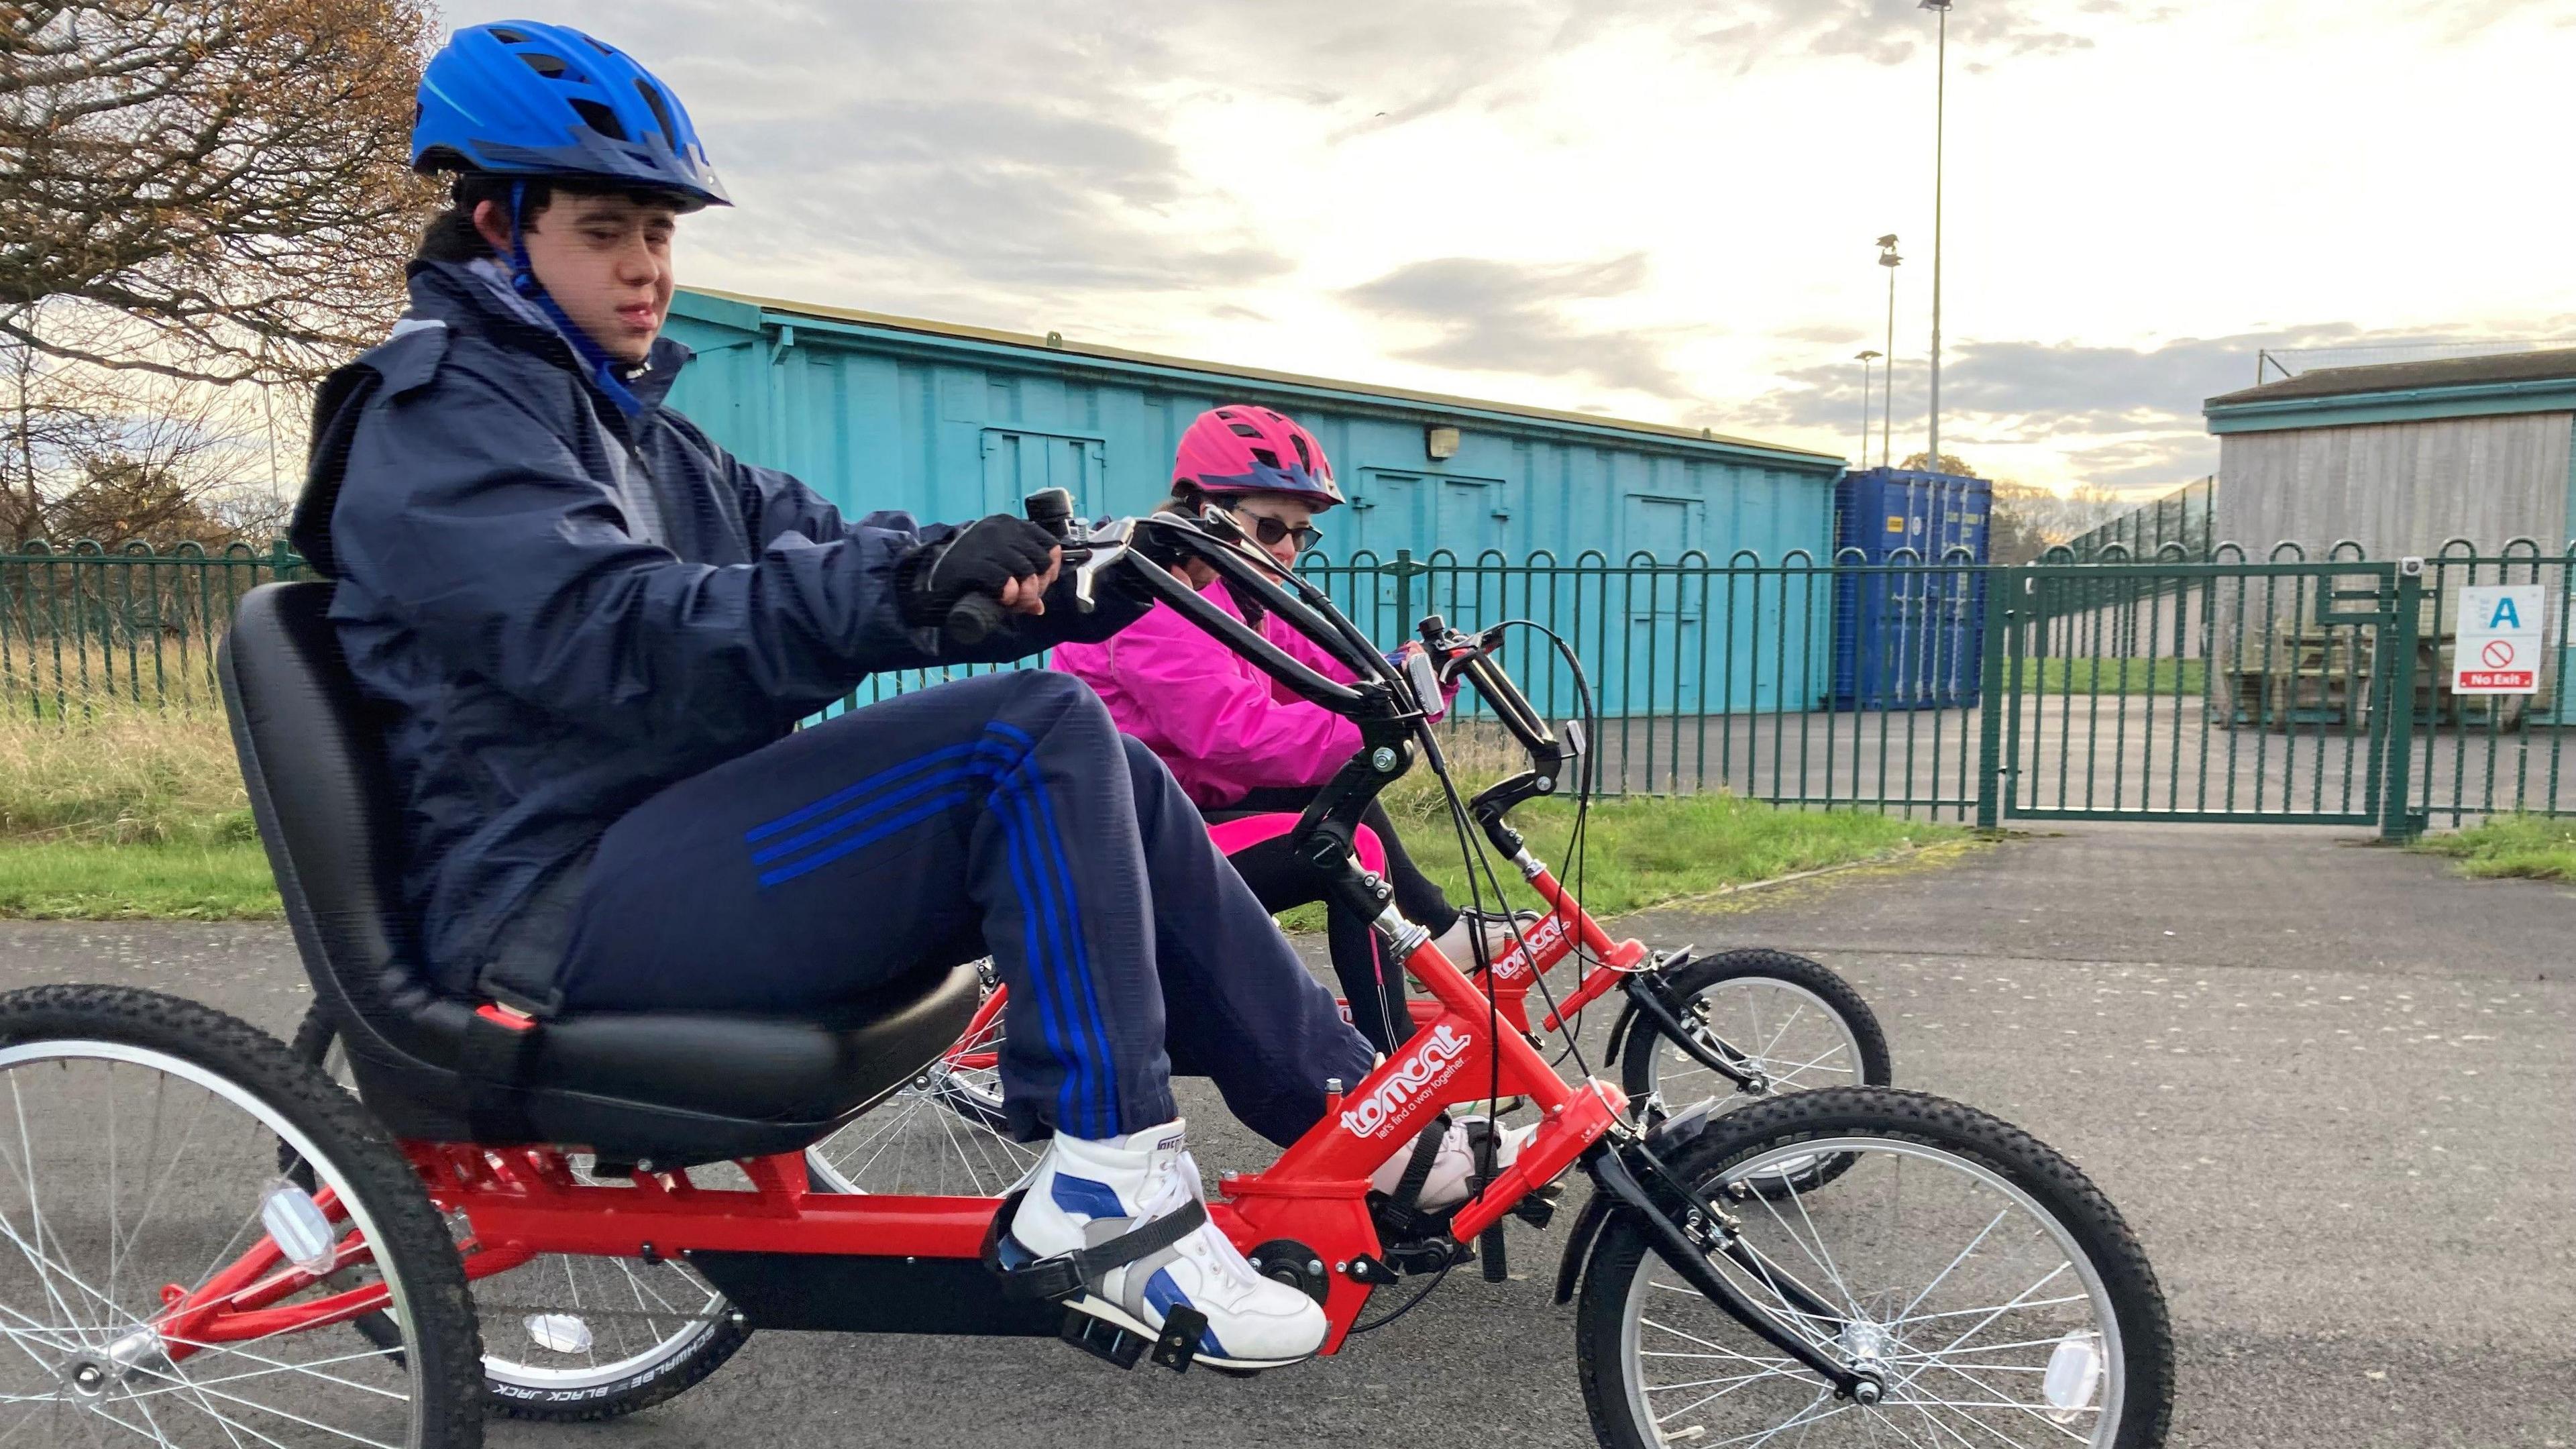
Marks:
<point>977,559</point>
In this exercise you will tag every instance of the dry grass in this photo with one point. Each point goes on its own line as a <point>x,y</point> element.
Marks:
<point>126,775</point>
<point>127,812</point>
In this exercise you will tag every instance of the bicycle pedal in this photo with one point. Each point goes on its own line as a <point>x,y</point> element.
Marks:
<point>1428,1255</point>
<point>1178,1343</point>
<point>1102,1339</point>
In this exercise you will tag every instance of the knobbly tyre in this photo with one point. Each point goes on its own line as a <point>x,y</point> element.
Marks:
<point>164,1277</point>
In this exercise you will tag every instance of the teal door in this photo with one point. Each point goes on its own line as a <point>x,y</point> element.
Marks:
<point>1018,462</point>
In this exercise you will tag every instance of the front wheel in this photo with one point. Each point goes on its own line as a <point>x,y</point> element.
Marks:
<point>1793,1019</point>
<point>1991,1287</point>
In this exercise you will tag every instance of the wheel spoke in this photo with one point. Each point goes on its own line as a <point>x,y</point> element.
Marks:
<point>1923,1254</point>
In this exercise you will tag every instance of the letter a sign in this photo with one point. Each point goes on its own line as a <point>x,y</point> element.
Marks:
<point>2500,628</point>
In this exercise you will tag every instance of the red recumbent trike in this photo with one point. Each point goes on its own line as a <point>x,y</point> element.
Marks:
<point>208,1241</point>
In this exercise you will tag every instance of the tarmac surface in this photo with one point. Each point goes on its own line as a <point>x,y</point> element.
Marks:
<point>2332,1087</point>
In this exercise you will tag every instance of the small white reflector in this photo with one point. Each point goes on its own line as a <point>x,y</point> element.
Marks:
<point>297,1225</point>
<point>2074,1372</point>
<point>559,1332</point>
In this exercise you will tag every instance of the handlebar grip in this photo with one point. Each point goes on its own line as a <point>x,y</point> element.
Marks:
<point>972,619</point>
<point>1050,509</point>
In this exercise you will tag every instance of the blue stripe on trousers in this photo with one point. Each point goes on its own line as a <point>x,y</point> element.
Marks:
<point>851,792</point>
<point>1053,838</point>
<point>1058,956</point>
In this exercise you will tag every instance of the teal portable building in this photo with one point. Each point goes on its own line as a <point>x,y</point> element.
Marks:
<point>953,422</point>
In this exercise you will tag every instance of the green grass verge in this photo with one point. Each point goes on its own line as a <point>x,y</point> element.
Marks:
<point>1648,852</point>
<point>137,815</point>
<point>2533,846</point>
<point>2117,676</point>
<point>77,880</point>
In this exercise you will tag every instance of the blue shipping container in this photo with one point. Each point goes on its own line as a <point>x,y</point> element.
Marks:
<point>1907,637</point>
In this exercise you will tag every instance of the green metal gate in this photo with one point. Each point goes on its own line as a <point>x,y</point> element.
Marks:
<point>2226,691</point>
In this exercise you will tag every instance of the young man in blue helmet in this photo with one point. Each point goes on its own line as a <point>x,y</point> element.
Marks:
<point>593,630</point>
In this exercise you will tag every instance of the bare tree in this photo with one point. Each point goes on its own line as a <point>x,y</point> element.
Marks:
<point>228,176</point>
<point>199,200</point>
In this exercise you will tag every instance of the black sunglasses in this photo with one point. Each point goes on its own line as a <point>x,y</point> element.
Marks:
<point>1272,532</point>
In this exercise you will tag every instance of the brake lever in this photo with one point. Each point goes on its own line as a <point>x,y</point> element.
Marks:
<point>1092,555</point>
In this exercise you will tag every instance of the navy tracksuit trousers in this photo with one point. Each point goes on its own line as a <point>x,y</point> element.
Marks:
<point>1003,813</point>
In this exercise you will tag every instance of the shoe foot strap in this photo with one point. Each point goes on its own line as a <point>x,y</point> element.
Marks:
<point>1067,1275</point>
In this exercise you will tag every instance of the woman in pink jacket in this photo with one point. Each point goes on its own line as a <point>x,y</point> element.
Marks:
<point>1238,742</point>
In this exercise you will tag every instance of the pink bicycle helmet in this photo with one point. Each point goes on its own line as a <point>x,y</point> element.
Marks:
<point>1238,449</point>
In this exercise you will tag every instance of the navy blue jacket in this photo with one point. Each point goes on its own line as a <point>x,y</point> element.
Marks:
<point>565,609</point>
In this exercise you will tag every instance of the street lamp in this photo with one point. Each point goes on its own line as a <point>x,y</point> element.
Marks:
<point>1865,358</point>
<point>1888,258</point>
<point>1940,87</point>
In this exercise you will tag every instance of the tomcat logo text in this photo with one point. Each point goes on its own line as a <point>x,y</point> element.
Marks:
<point>1431,1063</point>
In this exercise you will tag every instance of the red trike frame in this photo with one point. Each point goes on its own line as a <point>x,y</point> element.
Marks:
<point>522,1202</point>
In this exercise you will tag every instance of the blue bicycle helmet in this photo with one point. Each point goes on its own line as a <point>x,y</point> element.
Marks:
<point>519,98</point>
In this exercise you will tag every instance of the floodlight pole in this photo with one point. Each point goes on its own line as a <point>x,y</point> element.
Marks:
<point>1940,88</point>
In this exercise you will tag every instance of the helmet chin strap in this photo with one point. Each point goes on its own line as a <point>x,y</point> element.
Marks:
<point>523,280</point>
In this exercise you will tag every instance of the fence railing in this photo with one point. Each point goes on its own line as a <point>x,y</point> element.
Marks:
<point>1799,681</point>
<point>2185,520</point>
<point>84,627</point>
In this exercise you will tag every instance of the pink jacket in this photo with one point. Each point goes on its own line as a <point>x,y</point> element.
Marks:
<point>1223,726</point>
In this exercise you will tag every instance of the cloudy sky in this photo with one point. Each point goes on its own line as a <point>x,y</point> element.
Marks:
<point>1658,209</point>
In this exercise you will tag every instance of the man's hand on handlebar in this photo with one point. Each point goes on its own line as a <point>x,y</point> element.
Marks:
<point>968,581</point>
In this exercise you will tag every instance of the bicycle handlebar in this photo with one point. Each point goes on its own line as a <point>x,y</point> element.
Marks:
<point>1145,549</point>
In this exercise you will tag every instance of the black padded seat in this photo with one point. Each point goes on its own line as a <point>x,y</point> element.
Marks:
<point>672,1087</point>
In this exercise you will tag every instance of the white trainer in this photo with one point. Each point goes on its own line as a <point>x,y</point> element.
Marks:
<point>1458,944</point>
<point>1453,1164</point>
<point>1083,1194</point>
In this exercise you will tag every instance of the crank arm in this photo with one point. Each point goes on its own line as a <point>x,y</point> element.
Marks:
<point>1611,1170</point>
<point>1654,1003</point>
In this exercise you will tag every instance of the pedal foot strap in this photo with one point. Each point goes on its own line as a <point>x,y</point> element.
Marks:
<point>1417,1169</point>
<point>1067,1274</point>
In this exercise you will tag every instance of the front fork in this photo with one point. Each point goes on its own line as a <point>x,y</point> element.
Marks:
<point>1652,997</point>
<point>1650,993</point>
<point>1687,1230</point>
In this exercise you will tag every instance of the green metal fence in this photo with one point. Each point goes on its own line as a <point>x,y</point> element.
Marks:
<point>2218,688</point>
<point>2285,690</point>
<point>85,628</point>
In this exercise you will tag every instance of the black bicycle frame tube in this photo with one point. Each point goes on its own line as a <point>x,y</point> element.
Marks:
<point>1652,998</point>
<point>1353,701</point>
<point>1611,1169</point>
<point>1313,615</point>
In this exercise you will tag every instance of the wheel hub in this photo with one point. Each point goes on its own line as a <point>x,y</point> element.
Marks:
<point>1866,1344</point>
<point>87,1377</point>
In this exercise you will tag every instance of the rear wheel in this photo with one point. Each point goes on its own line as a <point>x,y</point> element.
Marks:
<point>1793,1020</point>
<point>942,1134</point>
<point>1995,1291</point>
<point>140,1162</point>
<point>575,1339</point>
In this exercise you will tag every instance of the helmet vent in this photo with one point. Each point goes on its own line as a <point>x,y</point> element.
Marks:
<point>1304,458</point>
<point>1244,430</point>
<point>661,109</point>
<point>601,119</point>
<point>508,37</point>
<point>1265,457</point>
<point>550,66</point>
